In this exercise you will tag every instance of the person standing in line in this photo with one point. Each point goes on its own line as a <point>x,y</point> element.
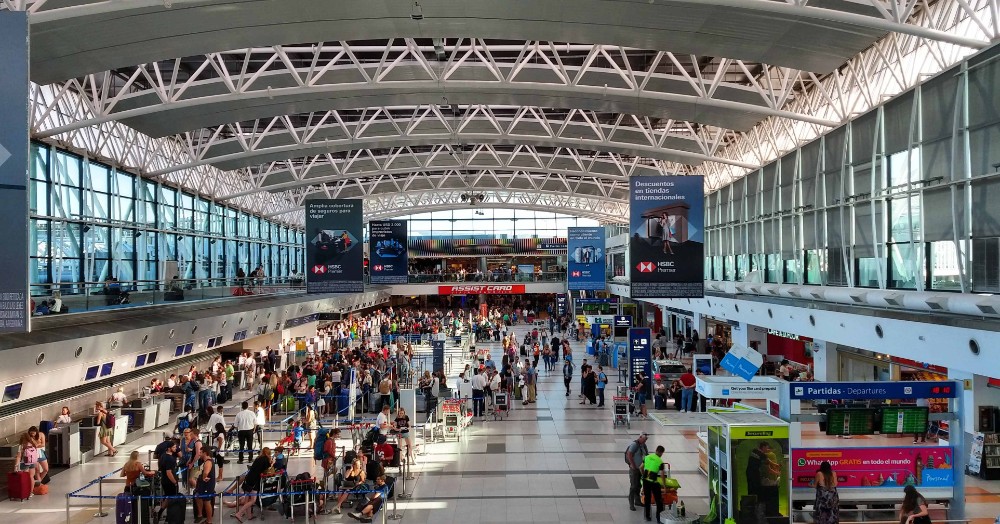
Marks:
<point>246,421</point>
<point>567,374</point>
<point>635,455</point>
<point>602,381</point>
<point>260,419</point>
<point>827,505</point>
<point>479,387</point>
<point>583,373</point>
<point>167,470</point>
<point>914,507</point>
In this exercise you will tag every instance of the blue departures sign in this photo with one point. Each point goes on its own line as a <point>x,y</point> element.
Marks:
<point>387,239</point>
<point>585,268</point>
<point>873,390</point>
<point>640,356</point>
<point>666,241</point>
<point>334,254</point>
<point>14,171</point>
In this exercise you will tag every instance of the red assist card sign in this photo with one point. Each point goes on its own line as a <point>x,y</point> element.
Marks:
<point>500,289</point>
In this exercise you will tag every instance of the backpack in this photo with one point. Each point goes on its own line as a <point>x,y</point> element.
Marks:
<point>183,423</point>
<point>109,420</point>
<point>29,455</point>
<point>320,441</point>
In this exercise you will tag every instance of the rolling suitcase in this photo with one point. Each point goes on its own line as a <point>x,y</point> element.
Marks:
<point>176,511</point>
<point>123,508</point>
<point>19,485</point>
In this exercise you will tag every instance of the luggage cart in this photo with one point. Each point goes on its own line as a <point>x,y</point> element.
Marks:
<point>501,405</point>
<point>621,415</point>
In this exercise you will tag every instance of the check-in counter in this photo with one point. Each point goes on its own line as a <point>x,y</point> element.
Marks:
<point>121,428</point>
<point>143,419</point>
<point>162,411</point>
<point>64,445</point>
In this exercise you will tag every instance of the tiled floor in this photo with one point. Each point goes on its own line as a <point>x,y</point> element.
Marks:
<point>553,461</point>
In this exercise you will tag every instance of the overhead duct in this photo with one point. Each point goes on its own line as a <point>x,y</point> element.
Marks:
<point>955,303</point>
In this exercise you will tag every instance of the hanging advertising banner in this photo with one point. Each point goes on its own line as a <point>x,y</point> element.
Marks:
<point>387,241</point>
<point>666,244</point>
<point>876,467</point>
<point>640,356</point>
<point>14,301</point>
<point>561,301</point>
<point>334,254</point>
<point>585,269</point>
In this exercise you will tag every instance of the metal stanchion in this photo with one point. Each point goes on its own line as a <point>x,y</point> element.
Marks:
<point>100,500</point>
<point>67,508</point>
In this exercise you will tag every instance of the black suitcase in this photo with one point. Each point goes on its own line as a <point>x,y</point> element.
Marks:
<point>176,511</point>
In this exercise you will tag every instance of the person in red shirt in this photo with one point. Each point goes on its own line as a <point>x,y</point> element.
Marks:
<point>688,382</point>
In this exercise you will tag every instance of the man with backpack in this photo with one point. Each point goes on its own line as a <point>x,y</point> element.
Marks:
<point>635,455</point>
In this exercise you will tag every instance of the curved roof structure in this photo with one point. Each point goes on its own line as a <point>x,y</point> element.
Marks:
<point>537,103</point>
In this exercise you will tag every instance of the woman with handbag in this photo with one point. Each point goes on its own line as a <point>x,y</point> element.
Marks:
<point>914,507</point>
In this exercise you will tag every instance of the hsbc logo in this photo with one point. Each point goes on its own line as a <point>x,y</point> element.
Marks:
<point>645,267</point>
<point>319,269</point>
<point>575,274</point>
<point>377,267</point>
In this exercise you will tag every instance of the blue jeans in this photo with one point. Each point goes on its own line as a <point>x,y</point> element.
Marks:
<point>687,399</point>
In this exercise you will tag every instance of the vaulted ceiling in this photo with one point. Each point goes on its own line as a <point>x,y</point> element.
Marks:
<point>540,104</point>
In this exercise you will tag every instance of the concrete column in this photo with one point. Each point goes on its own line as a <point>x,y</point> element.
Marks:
<point>741,335</point>
<point>825,361</point>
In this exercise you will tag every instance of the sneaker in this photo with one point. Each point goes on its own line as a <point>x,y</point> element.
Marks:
<point>684,411</point>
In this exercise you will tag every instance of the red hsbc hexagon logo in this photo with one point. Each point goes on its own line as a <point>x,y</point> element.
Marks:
<point>575,274</point>
<point>645,267</point>
<point>319,269</point>
<point>377,267</point>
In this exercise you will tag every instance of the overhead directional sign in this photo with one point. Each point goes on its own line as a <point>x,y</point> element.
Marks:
<point>873,390</point>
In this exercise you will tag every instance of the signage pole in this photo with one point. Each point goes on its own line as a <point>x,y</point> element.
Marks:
<point>956,437</point>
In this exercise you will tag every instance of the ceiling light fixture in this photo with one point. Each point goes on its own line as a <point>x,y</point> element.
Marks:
<point>418,12</point>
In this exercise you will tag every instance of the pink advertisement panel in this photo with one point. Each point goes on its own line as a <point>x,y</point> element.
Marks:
<point>876,466</point>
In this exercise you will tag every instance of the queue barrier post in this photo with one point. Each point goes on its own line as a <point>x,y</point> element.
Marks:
<point>100,500</point>
<point>67,509</point>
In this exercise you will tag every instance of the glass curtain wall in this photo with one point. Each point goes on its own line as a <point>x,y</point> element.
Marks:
<point>90,222</point>
<point>492,223</point>
<point>902,197</point>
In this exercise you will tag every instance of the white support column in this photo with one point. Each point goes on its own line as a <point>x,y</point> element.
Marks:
<point>825,367</point>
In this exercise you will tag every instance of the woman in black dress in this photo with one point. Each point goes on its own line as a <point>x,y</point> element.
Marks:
<point>589,385</point>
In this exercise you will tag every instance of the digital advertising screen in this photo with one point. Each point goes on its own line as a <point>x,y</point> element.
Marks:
<point>585,268</point>
<point>387,251</point>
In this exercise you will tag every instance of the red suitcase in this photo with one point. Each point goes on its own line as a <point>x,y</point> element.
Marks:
<point>19,485</point>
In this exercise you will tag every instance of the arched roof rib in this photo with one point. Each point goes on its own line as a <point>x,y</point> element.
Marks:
<point>408,202</point>
<point>71,39</point>
<point>165,99</point>
<point>235,146</point>
<point>609,170</point>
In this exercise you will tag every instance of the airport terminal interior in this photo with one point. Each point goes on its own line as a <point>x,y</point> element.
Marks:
<point>487,261</point>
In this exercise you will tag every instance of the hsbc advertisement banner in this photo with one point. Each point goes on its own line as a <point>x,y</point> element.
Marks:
<point>585,270</point>
<point>334,254</point>
<point>482,289</point>
<point>387,246</point>
<point>666,244</point>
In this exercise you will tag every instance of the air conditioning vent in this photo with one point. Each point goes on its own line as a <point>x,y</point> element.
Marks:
<point>859,298</point>
<point>935,305</point>
<point>818,295</point>
<point>987,309</point>
<point>894,300</point>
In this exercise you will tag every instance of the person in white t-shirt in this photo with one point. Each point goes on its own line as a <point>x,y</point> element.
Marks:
<point>382,420</point>
<point>215,418</point>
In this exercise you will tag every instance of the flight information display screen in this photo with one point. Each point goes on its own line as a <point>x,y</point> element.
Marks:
<point>904,419</point>
<point>850,421</point>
